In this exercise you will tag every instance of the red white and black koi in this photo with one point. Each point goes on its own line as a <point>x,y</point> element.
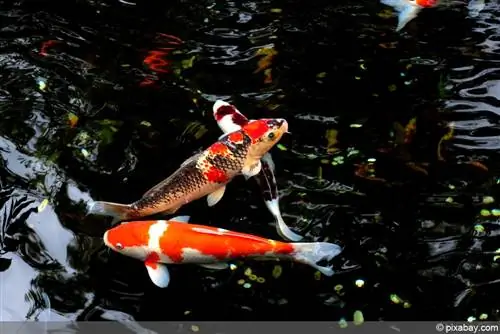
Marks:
<point>160,242</point>
<point>205,173</point>
<point>231,119</point>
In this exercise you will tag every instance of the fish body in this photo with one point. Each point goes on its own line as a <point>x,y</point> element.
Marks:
<point>159,243</point>
<point>203,174</point>
<point>408,9</point>
<point>230,119</point>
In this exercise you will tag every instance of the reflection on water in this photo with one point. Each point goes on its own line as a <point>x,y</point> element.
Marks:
<point>392,154</point>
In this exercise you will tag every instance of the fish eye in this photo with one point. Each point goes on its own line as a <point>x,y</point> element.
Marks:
<point>271,135</point>
<point>119,246</point>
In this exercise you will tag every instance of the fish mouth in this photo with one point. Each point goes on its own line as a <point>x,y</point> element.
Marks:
<point>106,240</point>
<point>282,124</point>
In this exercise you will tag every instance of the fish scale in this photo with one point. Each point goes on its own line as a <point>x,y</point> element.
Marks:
<point>190,178</point>
<point>185,180</point>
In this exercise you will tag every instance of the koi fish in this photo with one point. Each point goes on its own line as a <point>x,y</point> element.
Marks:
<point>159,242</point>
<point>408,9</point>
<point>203,174</point>
<point>231,119</point>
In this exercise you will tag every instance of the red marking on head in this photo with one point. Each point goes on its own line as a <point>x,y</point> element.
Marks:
<point>256,129</point>
<point>236,137</point>
<point>152,260</point>
<point>132,234</point>
<point>216,175</point>
<point>427,3</point>
<point>180,236</point>
<point>218,148</point>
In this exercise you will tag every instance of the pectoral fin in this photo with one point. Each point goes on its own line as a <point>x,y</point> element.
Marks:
<point>216,196</point>
<point>192,158</point>
<point>181,219</point>
<point>158,272</point>
<point>215,266</point>
<point>252,170</point>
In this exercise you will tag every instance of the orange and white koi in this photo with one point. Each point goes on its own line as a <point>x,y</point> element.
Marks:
<point>408,9</point>
<point>230,119</point>
<point>203,174</point>
<point>159,243</point>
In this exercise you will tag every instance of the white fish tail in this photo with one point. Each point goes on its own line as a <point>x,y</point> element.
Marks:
<point>116,210</point>
<point>407,11</point>
<point>311,253</point>
<point>283,230</point>
<point>398,5</point>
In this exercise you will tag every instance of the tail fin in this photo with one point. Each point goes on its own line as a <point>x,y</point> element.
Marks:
<point>407,11</point>
<point>116,210</point>
<point>311,253</point>
<point>283,230</point>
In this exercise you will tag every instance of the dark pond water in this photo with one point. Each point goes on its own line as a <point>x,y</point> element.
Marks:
<point>393,154</point>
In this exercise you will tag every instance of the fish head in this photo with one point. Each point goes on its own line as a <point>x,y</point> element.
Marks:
<point>228,117</point>
<point>426,3</point>
<point>130,239</point>
<point>264,133</point>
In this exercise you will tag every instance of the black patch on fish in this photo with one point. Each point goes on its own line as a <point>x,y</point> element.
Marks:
<point>267,182</point>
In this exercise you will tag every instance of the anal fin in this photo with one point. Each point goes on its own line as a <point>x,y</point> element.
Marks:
<point>181,219</point>
<point>252,170</point>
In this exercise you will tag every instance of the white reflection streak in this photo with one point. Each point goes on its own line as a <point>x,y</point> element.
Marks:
<point>54,237</point>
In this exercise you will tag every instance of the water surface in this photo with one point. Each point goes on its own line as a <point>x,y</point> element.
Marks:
<point>393,154</point>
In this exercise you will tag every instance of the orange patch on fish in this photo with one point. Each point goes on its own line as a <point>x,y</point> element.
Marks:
<point>256,129</point>
<point>210,241</point>
<point>127,239</point>
<point>217,175</point>
<point>218,148</point>
<point>236,137</point>
<point>152,260</point>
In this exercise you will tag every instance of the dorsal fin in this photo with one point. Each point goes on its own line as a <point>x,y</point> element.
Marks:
<point>181,219</point>
<point>191,159</point>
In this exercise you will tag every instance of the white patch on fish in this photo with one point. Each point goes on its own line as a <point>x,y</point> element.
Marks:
<point>207,231</point>
<point>156,231</point>
<point>227,125</point>
<point>194,255</point>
